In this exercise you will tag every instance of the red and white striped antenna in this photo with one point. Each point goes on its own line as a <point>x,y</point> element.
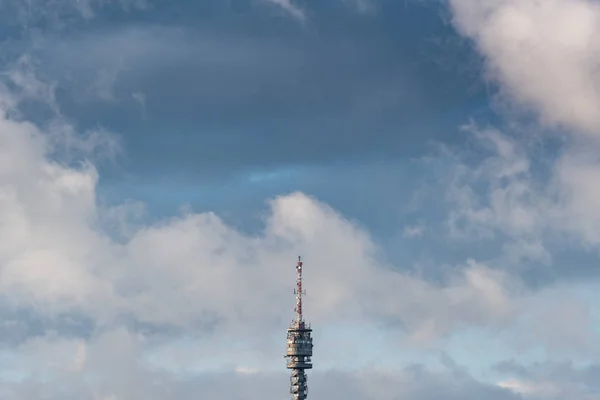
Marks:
<point>299,291</point>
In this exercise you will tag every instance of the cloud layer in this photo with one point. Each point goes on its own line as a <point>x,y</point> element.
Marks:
<point>544,54</point>
<point>187,275</point>
<point>100,300</point>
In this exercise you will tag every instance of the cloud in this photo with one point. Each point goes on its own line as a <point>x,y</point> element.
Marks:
<point>529,389</point>
<point>292,9</point>
<point>551,380</point>
<point>100,306</point>
<point>140,98</point>
<point>544,55</point>
<point>112,367</point>
<point>53,14</point>
<point>575,176</point>
<point>497,194</point>
<point>193,272</point>
<point>193,268</point>
<point>101,302</point>
<point>500,190</point>
<point>414,231</point>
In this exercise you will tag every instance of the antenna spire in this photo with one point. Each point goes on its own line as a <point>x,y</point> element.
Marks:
<point>299,291</point>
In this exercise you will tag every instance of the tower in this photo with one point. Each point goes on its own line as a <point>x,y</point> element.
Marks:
<point>299,344</point>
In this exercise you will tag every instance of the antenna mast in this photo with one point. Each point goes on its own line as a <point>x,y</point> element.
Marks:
<point>299,344</point>
<point>298,291</point>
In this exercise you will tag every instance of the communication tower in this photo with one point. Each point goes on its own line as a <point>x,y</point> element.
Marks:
<point>299,344</point>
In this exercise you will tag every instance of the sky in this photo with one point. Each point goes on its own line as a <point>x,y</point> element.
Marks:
<point>163,163</point>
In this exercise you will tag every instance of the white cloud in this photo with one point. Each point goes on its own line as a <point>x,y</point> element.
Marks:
<point>498,195</point>
<point>576,174</point>
<point>503,197</point>
<point>194,273</point>
<point>533,389</point>
<point>195,269</point>
<point>551,380</point>
<point>543,53</point>
<point>190,273</point>
<point>545,56</point>
<point>291,8</point>
<point>414,231</point>
<point>114,370</point>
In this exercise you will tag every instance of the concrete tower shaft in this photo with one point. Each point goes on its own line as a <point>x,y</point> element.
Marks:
<point>299,345</point>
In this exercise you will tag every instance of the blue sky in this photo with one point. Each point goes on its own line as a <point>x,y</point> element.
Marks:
<point>163,163</point>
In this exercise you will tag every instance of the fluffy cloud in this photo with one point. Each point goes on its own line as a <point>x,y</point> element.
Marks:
<point>106,313</point>
<point>108,368</point>
<point>543,53</point>
<point>74,296</point>
<point>195,269</point>
<point>544,56</point>
<point>504,190</point>
<point>99,303</point>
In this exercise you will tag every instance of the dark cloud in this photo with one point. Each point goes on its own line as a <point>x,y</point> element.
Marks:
<point>231,88</point>
<point>221,97</point>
